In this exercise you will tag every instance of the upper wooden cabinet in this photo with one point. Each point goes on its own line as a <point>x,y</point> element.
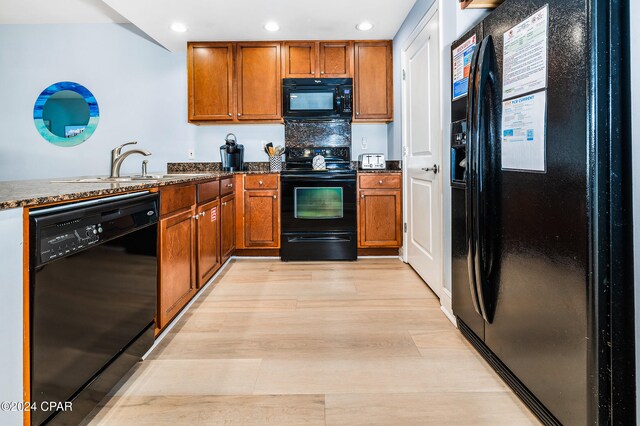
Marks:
<point>317,59</point>
<point>335,59</point>
<point>259,82</point>
<point>373,81</point>
<point>480,4</point>
<point>210,69</point>
<point>299,59</point>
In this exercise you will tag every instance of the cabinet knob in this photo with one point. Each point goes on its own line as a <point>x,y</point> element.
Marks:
<point>229,185</point>
<point>380,181</point>
<point>230,114</point>
<point>321,72</point>
<point>224,204</point>
<point>259,182</point>
<point>361,195</point>
<point>202,214</point>
<point>275,196</point>
<point>196,217</point>
<point>239,114</point>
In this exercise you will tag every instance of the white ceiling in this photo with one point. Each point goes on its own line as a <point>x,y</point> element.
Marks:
<point>212,20</point>
<point>57,12</point>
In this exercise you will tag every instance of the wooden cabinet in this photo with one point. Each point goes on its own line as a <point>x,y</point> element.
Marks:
<point>261,218</point>
<point>210,71</point>
<point>373,81</point>
<point>480,4</point>
<point>379,210</point>
<point>335,59</point>
<point>176,261</point>
<point>208,241</point>
<point>258,80</point>
<point>314,59</point>
<point>227,226</point>
<point>258,216</point>
<point>299,59</point>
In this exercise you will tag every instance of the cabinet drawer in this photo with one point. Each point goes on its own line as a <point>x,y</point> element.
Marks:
<point>176,197</point>
<point>226,186</point>
<point>374,180</point>
<point>208,191</point>
<point>261,181</point>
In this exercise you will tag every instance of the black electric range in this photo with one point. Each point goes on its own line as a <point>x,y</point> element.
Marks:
<point>318,208</point>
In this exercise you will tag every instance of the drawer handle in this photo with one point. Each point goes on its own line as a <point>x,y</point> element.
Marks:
<point>259,182</point>
<point>380,181</point>
<point>229,185</point>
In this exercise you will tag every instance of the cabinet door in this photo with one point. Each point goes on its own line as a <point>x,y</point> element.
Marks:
<point>261,219</point>
<point>208,248</point>
<point>373,85</point>
<point>176,265</point>
<point>259,82</point>
<point>300,59</point>
<point>335,59</point>
<point>210,77</point>
<point>380,218</point>
<point>227,227</point>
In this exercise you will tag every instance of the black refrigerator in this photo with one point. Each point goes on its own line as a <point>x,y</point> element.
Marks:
<point>542,278</point>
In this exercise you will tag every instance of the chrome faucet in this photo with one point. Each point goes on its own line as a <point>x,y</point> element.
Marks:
<point>117,158</point>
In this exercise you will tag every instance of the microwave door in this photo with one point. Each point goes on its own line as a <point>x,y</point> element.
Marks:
<point>310,102</point>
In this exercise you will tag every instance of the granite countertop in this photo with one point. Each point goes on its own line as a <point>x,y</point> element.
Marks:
<point>29,193</point>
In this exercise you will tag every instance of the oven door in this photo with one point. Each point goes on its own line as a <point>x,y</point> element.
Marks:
<point>318,202</point>
<point>311,102</point>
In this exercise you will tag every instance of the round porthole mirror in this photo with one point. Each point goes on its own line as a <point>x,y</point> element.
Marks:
<point>66,113</point>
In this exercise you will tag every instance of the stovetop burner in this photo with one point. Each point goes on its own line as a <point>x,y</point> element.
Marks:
<point>299,159</point>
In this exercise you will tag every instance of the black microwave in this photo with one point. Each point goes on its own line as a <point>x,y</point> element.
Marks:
<point>317,98</point>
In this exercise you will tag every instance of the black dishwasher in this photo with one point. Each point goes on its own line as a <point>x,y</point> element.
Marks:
<point>93,283</point>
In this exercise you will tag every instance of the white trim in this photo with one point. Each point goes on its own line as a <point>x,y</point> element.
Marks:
<point>449,315</point>
<point>445,306</point>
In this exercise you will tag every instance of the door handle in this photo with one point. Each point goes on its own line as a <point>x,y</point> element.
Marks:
<point>435,169</point>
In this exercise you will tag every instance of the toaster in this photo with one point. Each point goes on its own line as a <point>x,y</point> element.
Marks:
<point>372,161</point>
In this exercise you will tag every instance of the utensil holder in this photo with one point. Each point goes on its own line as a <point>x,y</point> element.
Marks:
<point>275,163</point>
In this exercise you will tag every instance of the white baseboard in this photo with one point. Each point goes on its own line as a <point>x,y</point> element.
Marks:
<point>445,306</point>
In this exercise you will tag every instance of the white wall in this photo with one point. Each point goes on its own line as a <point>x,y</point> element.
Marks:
<point>453,23</point>
<point>141,90</point>
<point>635,120</point>
<point>11,319</point>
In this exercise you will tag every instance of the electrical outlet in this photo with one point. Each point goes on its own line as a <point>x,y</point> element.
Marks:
<point>191,154</point>
<point>364,143</point>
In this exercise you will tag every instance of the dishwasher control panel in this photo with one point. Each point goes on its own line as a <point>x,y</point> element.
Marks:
<point>65,238</point>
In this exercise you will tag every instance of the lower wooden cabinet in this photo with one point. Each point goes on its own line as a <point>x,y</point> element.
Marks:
<point>227,226</point>
<point>176,268</point>
<point>261,218</point>
<point>208,244</point>
<point>379,211</point>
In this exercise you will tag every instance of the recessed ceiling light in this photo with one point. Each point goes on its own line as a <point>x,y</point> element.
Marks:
<point>364,26</point>
<point>178,27</point>
<point>271,26</point>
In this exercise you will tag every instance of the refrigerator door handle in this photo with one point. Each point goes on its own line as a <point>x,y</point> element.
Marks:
<point>482,159</point>
<point>470,181</point>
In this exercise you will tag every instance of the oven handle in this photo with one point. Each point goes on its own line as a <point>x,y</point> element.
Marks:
<point>335,178</point>
<point>326,238</point>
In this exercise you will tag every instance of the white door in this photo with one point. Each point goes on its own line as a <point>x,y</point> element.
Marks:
<point>422,147</point>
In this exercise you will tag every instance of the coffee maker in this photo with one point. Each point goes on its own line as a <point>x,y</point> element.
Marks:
<point>232,154</point>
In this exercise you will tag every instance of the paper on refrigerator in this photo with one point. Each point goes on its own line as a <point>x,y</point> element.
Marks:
<point>461,65</point>
<point>524,133</point>
<point>525,56</point>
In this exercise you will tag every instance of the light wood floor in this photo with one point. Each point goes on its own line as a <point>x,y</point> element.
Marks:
<point>278,343</point>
